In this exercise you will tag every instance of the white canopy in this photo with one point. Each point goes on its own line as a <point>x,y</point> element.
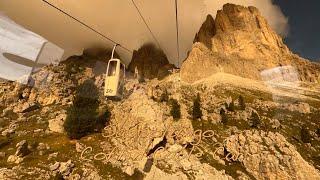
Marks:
<point>20,49</point>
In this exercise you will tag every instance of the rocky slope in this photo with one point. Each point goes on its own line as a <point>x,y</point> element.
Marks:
<point>249,129</point>
<point>142,141</point>
<point>239,41</point>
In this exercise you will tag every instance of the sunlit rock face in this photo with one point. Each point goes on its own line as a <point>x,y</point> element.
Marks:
<point>206,32</point>
<point>241,42</point>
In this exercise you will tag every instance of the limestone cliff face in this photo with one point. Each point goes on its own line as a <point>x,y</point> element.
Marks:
<point>206,32</point>
<point>241,42</point>
<point>150,61</point>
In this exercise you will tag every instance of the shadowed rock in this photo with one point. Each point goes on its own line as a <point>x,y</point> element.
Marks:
<point>151,62</point>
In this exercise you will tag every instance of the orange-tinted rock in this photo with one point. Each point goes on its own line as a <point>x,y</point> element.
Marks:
<point>241,42</point>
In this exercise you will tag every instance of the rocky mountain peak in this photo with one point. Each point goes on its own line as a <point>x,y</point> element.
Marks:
<point>234,17</point>
<point>240,41</point>
<point>240,30</point>
<point>206,32</point>
<point>150,61</point>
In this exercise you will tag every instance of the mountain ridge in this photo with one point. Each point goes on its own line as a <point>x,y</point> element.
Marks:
<point>240,41</point>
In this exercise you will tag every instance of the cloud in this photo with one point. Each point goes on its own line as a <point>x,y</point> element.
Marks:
<point>120,21</point>
<point>275,17</point>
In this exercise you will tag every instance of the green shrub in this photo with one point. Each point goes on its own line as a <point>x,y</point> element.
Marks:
<point>255,120</point>
<point>141,78</point>
<point>224,117</point>
<point>242,103</point>
<point>305,135</point>
<point>175,109</point>
<point>83,117</point>
<point>196,109</point>
<point>318,132</point>
<point>164,96</point>
<point>4,141</point>
<point>226,105</point>
<point>72,68</point>
<point>231,106</point>
<point>102,119</point>
<point>58,176</point>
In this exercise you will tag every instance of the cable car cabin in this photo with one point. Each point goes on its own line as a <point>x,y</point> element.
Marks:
<point>114,82</point>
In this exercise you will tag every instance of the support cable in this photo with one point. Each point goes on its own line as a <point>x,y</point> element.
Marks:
<point>177,27</point>
<point>145,22</point>
<point>82,23</point>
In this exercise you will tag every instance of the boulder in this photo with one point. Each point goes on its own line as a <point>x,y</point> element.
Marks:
<point>22,149</point>
<point>56,124</point>
<point>268,155</point>
<point>66,168</point>
<point>14,159</point>
<point>26,107</point>
<point>6,173</point>
<point>55,166</point>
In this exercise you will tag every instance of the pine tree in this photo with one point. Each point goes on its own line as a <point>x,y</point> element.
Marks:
<point>318,132</point>
<point>231,106</point>
<point>305,135</point>
<point>242,103</point>
<point>224,118</point>
<point>255,120</point>
<point>175,109</point>
<point>82,116</point>
<point>196,110</point>
<point>164,96</point>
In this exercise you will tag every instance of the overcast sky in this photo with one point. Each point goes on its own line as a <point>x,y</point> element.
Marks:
<point>119,20</point>
<point>304,31</point>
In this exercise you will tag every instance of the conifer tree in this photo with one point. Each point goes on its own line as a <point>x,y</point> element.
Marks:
<point>305,135</point>
<point>82,116</point>
<point>242,103</point>
<point>231,106</point>
<point>196,110</point>
<point>255,120</point>
<point>318,132</point>
<point>224,118</point>
<point>164,96</point>
<point>175,109</point>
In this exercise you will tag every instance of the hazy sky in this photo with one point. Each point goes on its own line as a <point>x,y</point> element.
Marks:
<point>119,20</point>
<point>303,37</point>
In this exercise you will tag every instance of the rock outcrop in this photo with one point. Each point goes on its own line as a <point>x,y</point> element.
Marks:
<point>240,42</point>
<point>206,32</point>
<point>150,62</point>
<point>269,156</point>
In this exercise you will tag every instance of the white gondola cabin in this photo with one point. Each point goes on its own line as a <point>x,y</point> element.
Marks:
<point>115,76</point>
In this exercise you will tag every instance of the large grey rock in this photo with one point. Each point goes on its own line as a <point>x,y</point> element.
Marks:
<point>268,155</point>
<point>66,168</point>
<point>55,166</point>
<point>14,159</point>
<point>56,124</point>
<point>22,149</point>
<point>26,107</point>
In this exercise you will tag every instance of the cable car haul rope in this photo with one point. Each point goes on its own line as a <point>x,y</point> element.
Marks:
<point>145,22</point>
<point>141,16</point>
<point>84,24</point>
<point>177,28</point>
